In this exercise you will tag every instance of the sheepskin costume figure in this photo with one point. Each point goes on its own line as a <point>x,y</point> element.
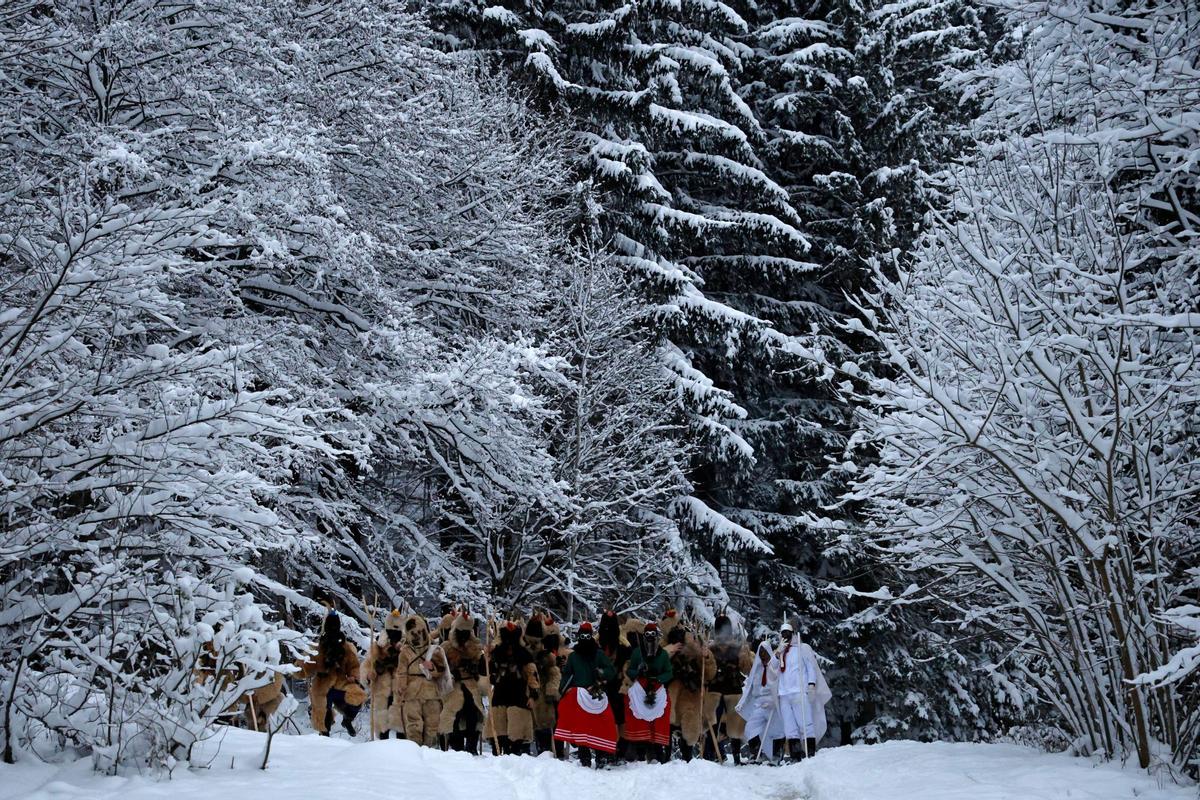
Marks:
<point>670,619</point>
<point>544,640</point>
<point>262,702</point>
<point>617,649</point>
<point>734,660</point>
<point>423,675</point>
<point>332,674</point>
<point>462,708</point>
<point>514,681</point>
<point>692,667</point>
<point>381,673</point>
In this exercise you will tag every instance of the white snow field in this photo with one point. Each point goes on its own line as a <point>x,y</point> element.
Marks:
<point>312,768</point>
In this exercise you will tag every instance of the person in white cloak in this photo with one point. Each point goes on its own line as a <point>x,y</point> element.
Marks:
<point>803,694</point>
<point>759,705</point>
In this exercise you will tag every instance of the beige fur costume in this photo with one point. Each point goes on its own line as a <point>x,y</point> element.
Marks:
<point>381,673</point>
<point>465,662</point>
<point>735,726</point>
<point>543,708</point>
<point>342,674</point>
<point>418,682</point>
<point>685,699</point>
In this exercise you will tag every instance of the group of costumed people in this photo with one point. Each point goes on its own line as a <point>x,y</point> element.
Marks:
<point>617,693</point>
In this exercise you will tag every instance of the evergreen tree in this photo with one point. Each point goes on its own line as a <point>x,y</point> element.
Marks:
<point>674,178</point>
<point>849,91</point>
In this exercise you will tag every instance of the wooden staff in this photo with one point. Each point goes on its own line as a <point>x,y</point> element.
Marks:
<point>487,667</point>
<point>371,680</point>
<point>712,731</point>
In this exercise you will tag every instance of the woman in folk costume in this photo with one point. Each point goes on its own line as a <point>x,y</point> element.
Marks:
<point>423,679</point>
<point>734,661</point>
<point>632,630</point>
<point>803,694</point>
<point>692,667</point>
<point>759,703</point>
<point>332,675</point>
<point>584,717</point>
<point>514,682</point>
<point>381,672</point>
<point>462,709</point>
<point>543,640</point>
<point>647,709</point>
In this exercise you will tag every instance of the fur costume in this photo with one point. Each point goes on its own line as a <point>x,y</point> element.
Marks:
<point>631,631</point>
<point>328,671</point>
<point>421,674</point>
<point>442,633</point>
<point>693,666</point>
<point>262,702</point>
<point>615,645</point>
<point>543,642</point>
<point>380,672</point>
<point>464,658</point>
<point>515,685</point>
<point>734,661</point>
<point>670,619</point>
<point>255,706</point>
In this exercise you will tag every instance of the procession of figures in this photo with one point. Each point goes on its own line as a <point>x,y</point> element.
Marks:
<point>622,689</point>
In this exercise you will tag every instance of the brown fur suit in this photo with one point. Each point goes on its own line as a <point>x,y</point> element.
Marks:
<point>538,633</point>
<point>257,705</point>
<point>631,634</point>
<point>331,673</point>
<point>670,619</point>
<point>442,632</point>
<point>734,661</point>
<point>262,702</point>
<point>514,681</point>
<point>694,665</point>
<point>464,657</point>
<point>381,673</point>
<point>419,682</point>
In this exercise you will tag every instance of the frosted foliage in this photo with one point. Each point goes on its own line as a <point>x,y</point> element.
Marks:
<point>261,266</point>
<point>1037,442</point>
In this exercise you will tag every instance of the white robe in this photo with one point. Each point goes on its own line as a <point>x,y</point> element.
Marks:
<point>759,705</point>
<point>798,668</point>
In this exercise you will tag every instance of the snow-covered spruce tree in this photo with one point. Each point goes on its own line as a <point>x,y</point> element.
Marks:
<point>673,177</point>
<point>216,217</point>
<point>1038,460</point>
<point>848,94</point>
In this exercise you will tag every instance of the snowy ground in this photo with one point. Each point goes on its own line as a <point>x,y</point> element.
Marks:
<point>311,768</point>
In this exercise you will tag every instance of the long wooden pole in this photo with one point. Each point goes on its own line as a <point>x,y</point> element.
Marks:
<point>487,666</point>
<point>371,679</point>
<point>712,731</point>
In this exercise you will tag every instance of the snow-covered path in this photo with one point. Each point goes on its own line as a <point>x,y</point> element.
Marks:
<point>310,768</point>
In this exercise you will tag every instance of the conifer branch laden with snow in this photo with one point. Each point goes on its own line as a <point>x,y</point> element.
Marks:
<point>1037,450</point>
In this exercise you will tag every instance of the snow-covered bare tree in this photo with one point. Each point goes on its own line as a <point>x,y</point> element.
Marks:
<point>256,259</point>
<point>1037,443</point>
<point>616,438</point>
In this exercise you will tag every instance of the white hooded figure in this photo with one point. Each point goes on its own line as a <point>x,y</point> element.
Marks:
<point>759,705</point>
<point>803,694</point>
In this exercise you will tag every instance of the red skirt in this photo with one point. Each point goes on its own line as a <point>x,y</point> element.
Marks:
<point>597,731</point>
<point>656,732</point>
